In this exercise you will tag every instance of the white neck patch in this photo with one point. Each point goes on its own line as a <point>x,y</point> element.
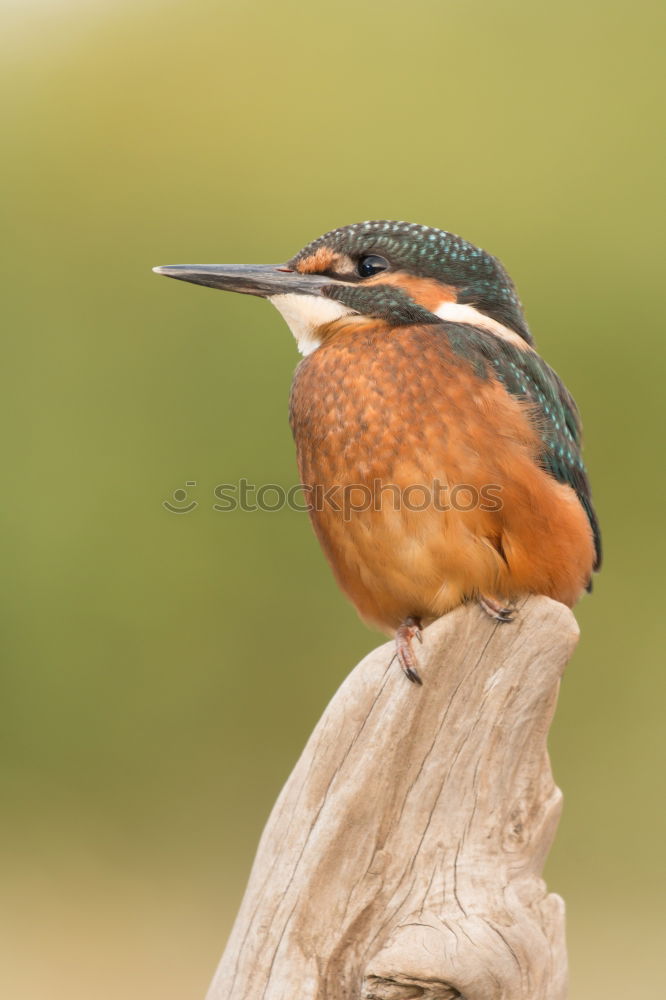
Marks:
<point>458,312</point>
<point>304,315</point>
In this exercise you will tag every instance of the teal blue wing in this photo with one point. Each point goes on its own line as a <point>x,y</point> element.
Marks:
<point>527,376</point>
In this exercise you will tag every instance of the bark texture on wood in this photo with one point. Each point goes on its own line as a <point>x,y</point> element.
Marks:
<point>403,857</point>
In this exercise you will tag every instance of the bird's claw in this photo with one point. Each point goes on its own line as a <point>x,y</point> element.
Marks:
<point>410,629</point>
<point>413,676</point>
<point>498,612</point>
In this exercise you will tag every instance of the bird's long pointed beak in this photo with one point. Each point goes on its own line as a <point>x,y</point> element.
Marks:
<point>265,280</point>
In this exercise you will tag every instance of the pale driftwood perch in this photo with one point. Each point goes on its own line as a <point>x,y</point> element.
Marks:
<point>403,857</point>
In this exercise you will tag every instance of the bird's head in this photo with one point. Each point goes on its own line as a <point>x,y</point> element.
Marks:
<point>396,273</point>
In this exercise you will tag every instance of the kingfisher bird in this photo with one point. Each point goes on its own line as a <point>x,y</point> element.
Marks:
<point>420,374</point>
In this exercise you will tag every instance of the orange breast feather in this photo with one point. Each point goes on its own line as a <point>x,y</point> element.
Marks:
<point>381,417</point>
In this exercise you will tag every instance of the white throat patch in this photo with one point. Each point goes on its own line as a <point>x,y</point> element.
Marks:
<point>304,315</point>
<point>458,312</point>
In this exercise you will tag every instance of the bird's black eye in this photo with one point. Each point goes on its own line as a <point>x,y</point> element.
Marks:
<point>372,264</point>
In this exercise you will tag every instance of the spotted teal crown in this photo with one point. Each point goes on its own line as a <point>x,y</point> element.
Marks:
<point>478,277</point>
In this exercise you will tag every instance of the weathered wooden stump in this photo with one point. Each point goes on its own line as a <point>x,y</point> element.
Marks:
<point>403,857</point>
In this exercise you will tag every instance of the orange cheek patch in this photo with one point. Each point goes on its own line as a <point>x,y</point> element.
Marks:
<point>428,292</point>
<point>323,259</point>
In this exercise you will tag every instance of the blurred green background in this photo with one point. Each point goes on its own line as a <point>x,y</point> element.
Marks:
<point>161,671</point>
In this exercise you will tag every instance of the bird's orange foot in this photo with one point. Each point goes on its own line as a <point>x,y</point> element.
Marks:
<point>410,629</point>
<point>497,611</point>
